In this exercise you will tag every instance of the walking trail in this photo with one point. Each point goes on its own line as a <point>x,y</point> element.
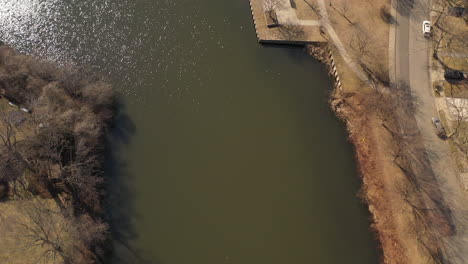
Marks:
<point>337,42</point>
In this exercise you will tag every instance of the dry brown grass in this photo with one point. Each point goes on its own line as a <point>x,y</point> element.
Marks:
<point>304,12</point>
<point>375,175</point>
<point>61,152</point>
<point>370,141</point>
<point>6,109</point>
<point>459,30</point>
<point>455,89</point>
<point>395,225</point>
<point>366,22</point>
<point>456,63</point>
<point>366,40</point>
<point>399,228</point>
<point>16,246</point>
<point>450,37</point>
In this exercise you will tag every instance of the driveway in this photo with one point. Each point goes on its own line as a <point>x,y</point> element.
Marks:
<point>412,58</point>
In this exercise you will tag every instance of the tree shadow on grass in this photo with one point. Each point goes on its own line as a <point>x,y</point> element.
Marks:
<point>404,6</point>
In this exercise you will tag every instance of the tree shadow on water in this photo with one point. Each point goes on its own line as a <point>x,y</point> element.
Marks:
<point>296,52</point>
<point>119,201</point>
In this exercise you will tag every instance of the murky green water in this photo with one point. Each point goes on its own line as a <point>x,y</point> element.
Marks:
<point>234,156</point>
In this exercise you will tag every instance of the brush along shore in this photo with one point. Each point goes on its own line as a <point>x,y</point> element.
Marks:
<point>53,126</point>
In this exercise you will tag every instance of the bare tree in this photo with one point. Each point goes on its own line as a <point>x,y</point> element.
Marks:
<point>58,150</point>
<point>458,111</point>
<point>425,220</point>
<point>342,10</point>
<point>48,235</point>
<point>8,131</point>
<point>447,37</point>
<point>438,41</point>
<point>360,44</point>
<point>314,7</point>
<point>410,196</point>
<point>270,7</point>
<point>273,5</point>
<point>11,165</point>
<point>292,32</point>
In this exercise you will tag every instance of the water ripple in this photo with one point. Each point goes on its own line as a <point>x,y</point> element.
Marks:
<point>135,44</point>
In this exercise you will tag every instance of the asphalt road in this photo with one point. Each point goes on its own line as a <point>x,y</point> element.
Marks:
<point>412,57</point>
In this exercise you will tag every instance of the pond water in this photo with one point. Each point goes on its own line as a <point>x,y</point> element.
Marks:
<point>234,156</point>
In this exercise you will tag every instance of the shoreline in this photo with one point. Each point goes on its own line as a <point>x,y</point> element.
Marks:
<point>54,127</point>
<point>404,232</point>
<point>387,244</point>
<point>382,225</point>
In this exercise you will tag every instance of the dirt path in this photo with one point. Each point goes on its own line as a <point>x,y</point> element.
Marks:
<point>337,42</point>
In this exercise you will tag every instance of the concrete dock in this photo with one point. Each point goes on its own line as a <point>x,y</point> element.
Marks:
<point>297,23</point>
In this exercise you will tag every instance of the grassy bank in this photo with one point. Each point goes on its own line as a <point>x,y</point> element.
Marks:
<point>410,218</point>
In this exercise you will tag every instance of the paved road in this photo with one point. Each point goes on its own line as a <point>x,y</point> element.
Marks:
<point>412,66</point>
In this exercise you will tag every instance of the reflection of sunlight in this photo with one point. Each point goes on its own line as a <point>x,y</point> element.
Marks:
<point>80,32</point>
<point>135,43</point>
<point>102,34</point>
<point>13,11</point>
<point>22,22</point>
<point>22,17</point>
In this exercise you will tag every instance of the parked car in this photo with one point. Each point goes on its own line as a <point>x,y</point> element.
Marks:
<point>451,74</point>
<point>440,130</point>
<point>426,28</point>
